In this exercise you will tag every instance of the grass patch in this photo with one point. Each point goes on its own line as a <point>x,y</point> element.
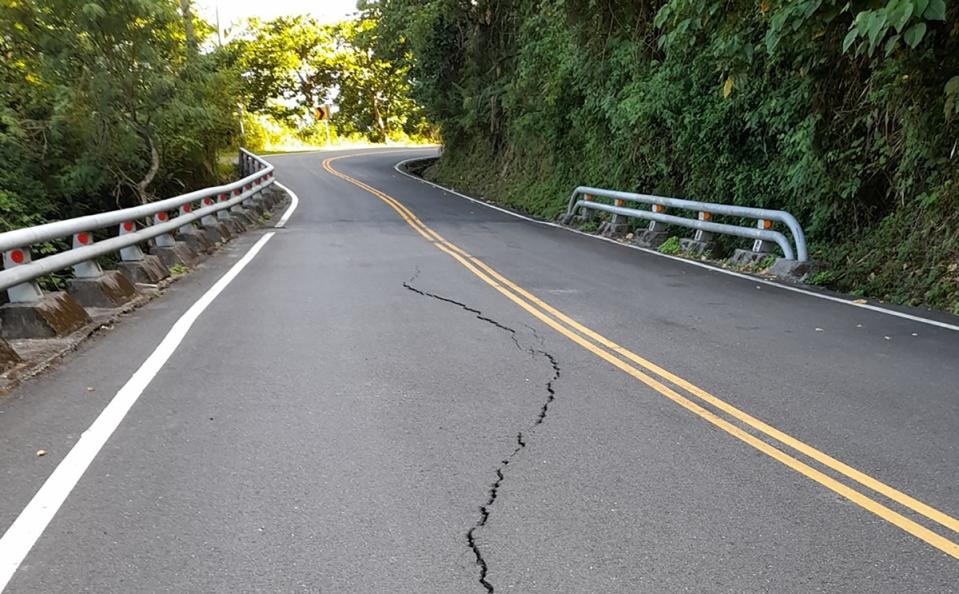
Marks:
<point>670,246</point>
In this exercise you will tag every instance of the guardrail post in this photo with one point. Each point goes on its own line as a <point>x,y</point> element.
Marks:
<point>33,314</point>
<point>137,266</point>
<point>655,233</point>
<point>191,235</point>
<point>28,292</point>
<point>251,205</point>
<point>166,239</point>
<point>94,287</point>
<point>90,268</point>
<point>213,229</point>
<point>760,251</point>
<point>702,241</point>
<point>235,225</point>
<point>132,253</point>
<point>761,246</point>
<point>585,214</point>
<point>170,251</point>
<point>238,211</point>
<point>618,225</point>
<point>268,195</point>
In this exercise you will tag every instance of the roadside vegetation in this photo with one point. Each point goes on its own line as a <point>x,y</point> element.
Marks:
<point>294,64</point>
<point>111,103</point>
<point>843,113</point>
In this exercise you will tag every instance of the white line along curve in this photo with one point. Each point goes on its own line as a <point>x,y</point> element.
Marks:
<point>294,202</point>
<point>20,537</point>
<point>752,279</point>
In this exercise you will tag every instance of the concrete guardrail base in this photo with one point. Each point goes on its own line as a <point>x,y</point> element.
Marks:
<point>695,248</point>
<point>234,224</point>
<point>743,257</point>
<point>8,357</point>
<point>246,216</point>
<point>650,239</point>
<point>148,271</point>
<point>793,270</point>
<point>197,241</point>
<point>217,233</point>
<point>613,229</point>
<point>55,314</point>
<point>111,289</point>
<point>179,253</point>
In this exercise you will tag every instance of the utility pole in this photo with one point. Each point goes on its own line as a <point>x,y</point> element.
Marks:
<point>219,32</point>
<point>239,108</point>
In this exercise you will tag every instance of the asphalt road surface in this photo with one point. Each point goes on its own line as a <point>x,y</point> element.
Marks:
<point>405,391</point>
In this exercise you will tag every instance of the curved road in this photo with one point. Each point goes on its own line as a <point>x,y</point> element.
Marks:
<point>405,391</point>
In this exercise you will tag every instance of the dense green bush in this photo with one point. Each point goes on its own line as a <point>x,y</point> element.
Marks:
<point>105,103</point>
<point>842,113</point>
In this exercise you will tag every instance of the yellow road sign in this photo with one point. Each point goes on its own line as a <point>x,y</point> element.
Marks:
<point>322,113</point>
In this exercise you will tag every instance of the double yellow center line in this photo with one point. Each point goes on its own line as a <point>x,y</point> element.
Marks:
<point>695,397</point>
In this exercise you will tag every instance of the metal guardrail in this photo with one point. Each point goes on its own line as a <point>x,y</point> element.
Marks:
<point>763,216</point>
<point>20,270</point>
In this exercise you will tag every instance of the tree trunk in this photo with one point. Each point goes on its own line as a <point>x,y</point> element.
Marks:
<point>191,44</point>
<point>141,186</point>
<point>378,116</point>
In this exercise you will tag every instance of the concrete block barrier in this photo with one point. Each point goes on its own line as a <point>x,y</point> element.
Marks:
<point>52,315</point>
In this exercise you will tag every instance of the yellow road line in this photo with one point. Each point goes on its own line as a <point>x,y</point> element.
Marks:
<point>786,439</point>
<point>530,302</point>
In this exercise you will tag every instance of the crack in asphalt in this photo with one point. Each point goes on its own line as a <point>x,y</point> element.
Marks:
<point>493,491</point>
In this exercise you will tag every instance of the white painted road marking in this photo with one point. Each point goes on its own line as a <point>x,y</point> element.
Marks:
<point>294,202</point>
<point>33,520</point>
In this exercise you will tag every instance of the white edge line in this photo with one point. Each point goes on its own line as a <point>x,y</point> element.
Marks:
<point>294,202</point>
<point>30,524</point>
<point>751,279</point>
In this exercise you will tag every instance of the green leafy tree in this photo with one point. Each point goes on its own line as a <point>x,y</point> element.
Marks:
<point>106,102</point>
<point>841,112</point>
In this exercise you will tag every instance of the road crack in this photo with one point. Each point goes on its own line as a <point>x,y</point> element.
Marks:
<point>521,438</point>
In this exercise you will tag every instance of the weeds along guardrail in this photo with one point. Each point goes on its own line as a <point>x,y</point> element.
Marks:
<point>585,198</point>
<point>175,228</point>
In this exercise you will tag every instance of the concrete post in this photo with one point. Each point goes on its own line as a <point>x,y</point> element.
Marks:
<point>189,234</point>
<point>761,249</point>
<point>761,246</point>
<point>170,251</point>
<point>164,240</point>
<point>28,292</point>
<point>586,214</point>
<point>90,268</point>
<point>94,287</point>
<point>132,253</point>
<point>234,224</point>
<point>33,314</point>
<point>702,241</point>
<point>655,233</point>
<point>618,224</point>
<point>251,204</point>
<point>655,226</point>
<point>213,229</point>
<point>239,212</point>
<point>700,235</point>
<point>137,266</point>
